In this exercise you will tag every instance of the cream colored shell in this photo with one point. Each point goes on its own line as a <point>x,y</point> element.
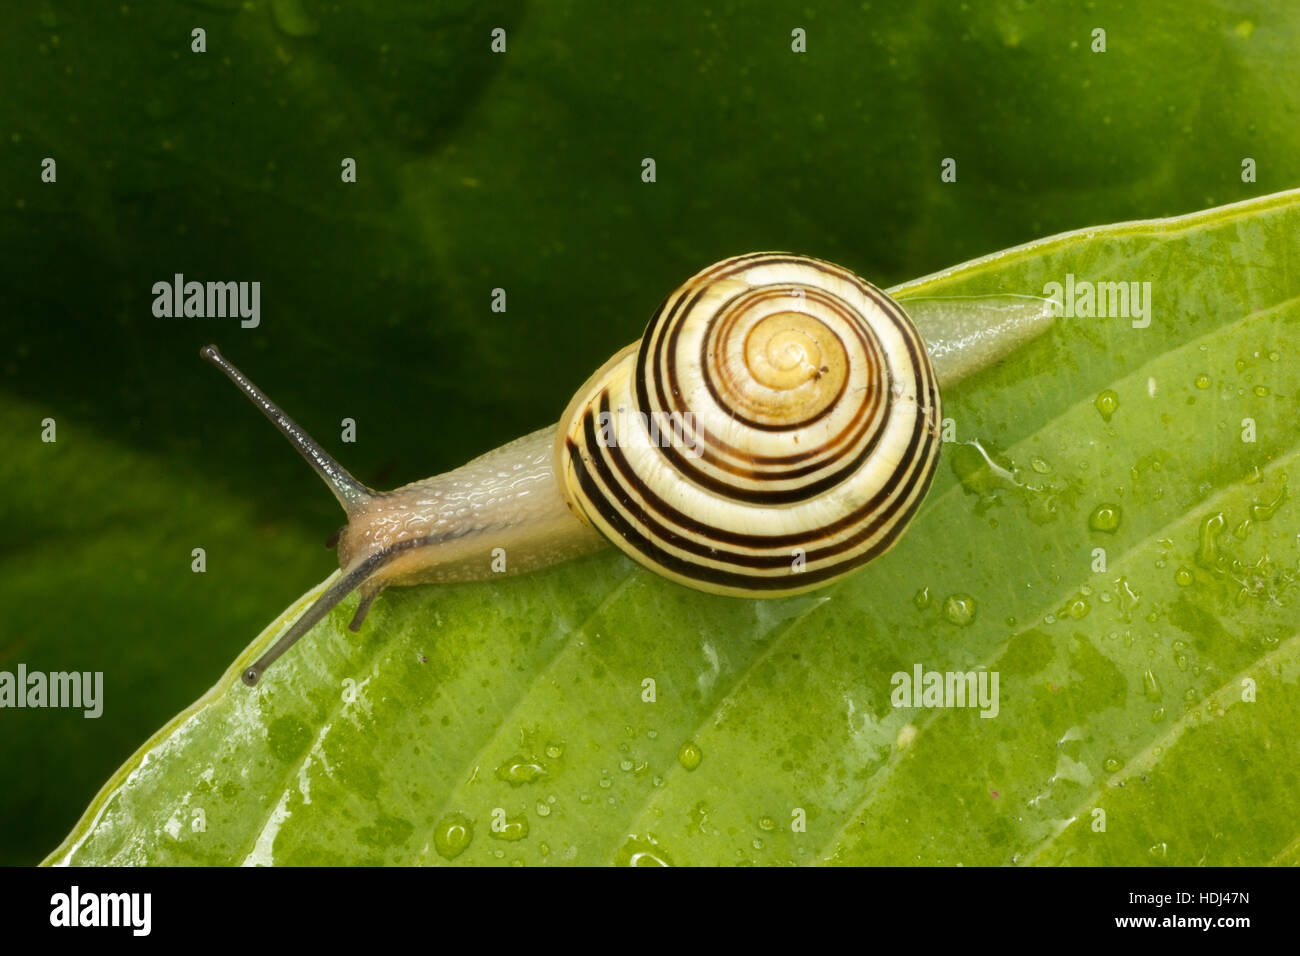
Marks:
<point>775,428</point>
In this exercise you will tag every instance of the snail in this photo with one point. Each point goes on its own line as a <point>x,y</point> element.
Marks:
<point>777,426</point>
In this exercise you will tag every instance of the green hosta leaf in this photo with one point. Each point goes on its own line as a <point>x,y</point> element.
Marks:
<point>506,721</point>
<point>477,171</point>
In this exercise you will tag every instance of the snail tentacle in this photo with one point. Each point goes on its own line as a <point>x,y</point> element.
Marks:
<point>349,492</point>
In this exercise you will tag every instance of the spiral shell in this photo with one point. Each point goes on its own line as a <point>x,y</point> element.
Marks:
<point>775,428</point>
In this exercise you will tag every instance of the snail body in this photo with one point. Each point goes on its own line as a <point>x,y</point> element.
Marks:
<point>775,428</point>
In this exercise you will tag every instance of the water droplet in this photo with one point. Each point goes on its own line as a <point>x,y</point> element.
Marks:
<point>1261,391</point>
<point>690,755</point>
<point>767,824</point>
<point>641,851</point>
<point>555,750</point>
<point>1183,576</point>
<point>511,830</point>
<point>1105,517</point>
<point>1208,549</point>
<point>452,835</point>
<point>921,599</point>
<point>1078,608</point>
<point>1039,466</point>
<point>1202,381</point>
<point>959,609</point>
<point>1112,764</point>
<point>983,471</point>
<point>519,770</point>
<point>1263,510</point>
<point>1106,404</point>
<point>1151,687</point>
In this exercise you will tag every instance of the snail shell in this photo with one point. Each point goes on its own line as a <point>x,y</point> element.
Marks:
<point>775,428</point>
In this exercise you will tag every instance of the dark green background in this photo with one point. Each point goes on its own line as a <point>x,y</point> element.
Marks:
<point>476,171</point>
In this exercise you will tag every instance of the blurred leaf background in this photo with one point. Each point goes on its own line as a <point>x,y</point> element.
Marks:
<point>475,171</point>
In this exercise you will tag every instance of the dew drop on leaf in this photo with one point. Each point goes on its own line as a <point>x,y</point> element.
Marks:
<point>690,755</point>
<point>641,851</point>
<point>519,770</point>
<point>1151,687</point>
<point>1105,518</point>
<point>1106,403</point>
<point>1208,548</point>
<point>959,609</point>
<point>1263,510</point>
<point>452,835</point>
<point>511,830</point>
